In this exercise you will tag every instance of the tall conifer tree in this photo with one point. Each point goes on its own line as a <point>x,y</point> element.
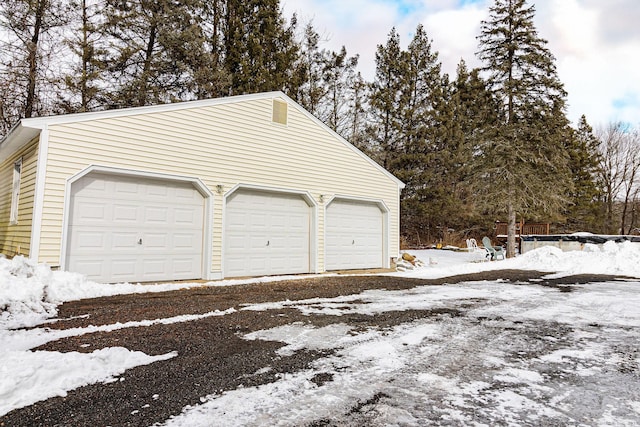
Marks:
<point>385,101</point>
<point>525,165</point>
<point>260,48</point>
<point>585,210</point>
<point>151,44</point>
<point>474,119</point>
<point>83,82</point>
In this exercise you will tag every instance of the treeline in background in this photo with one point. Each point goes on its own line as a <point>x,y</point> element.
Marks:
<point>490,143</point>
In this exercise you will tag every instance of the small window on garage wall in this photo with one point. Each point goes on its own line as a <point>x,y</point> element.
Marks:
<point>279,111</point>
<point>15,191</point>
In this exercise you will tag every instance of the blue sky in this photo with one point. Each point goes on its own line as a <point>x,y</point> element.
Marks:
<point>596,42</point>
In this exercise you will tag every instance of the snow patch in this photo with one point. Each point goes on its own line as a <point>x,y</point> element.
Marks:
<point>29,377</point>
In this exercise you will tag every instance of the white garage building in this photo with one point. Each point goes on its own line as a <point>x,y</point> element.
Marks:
<point>241,186</point>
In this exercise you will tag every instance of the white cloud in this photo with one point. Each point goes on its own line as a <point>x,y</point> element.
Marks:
<point>454,35</point>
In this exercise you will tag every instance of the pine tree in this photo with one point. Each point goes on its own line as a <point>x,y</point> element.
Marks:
<point>154,44</point>
<point>409,109</point>
<point>385,101</point>
<point>473,119</point>
<point>524,165</point>
<point>357,113</point>
<point>584,212</point>
<point>337,75</point>
<point>205,55</point>
<point>423,159</point>
<point>311,62</point>
<point>260,49</point>
<point>83,83</point>
<point>331,89</point>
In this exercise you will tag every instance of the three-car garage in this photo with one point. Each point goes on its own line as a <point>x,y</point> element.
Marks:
<point>248,185</point>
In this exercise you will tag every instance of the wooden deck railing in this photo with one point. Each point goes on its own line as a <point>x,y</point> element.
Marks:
<point>522,228</point>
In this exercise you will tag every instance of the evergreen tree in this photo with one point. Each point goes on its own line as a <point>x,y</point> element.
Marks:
<point>205,57</point>
<point>357,113</point>
<point>385,101</point>
<point>422,162</point>
<point>151,44</point>
<point>338,74</point>
<point>311,63</point>
<point>474,117</point>
<point>410,116</point>
<point>584,213</point>
<point>83,83</point>
<point>331,89</point>
<point>524,167</point>
<point>260,49</point>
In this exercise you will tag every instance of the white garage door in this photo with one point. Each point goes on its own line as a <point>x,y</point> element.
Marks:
<point>124,228</point>
<point>266,233</point>
<point>353,232</point>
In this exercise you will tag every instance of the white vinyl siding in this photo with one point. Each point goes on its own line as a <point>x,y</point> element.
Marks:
<point>16,238</point>
<point>225,144</point>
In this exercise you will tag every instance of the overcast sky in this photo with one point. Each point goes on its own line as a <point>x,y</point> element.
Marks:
<point>596,42</point>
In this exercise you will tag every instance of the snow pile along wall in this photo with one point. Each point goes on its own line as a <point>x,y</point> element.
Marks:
<point>571,242</point>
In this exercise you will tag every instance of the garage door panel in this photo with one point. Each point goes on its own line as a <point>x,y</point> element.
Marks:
<point>123,241</point>
<point>86,211</point>
<point>353,235</point>
<point>156,192</point>
<point>263,231</point>
<point>136,228</point>
<point>156,214</point>
<point>88,239</point>
<point>92,268</point>
<point>126,188</point>
<point>185,241</point>
<point>122,268</point>
<point>126,214</point>
<point>257,242</point>
<point>257,220</point>
<point>187,216</point>
<point>154,268</point>
<point>157,241</point>
<point>183,267</point>
<point>91,187</point>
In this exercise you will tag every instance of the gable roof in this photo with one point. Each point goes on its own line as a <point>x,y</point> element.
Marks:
<point>27,129</point>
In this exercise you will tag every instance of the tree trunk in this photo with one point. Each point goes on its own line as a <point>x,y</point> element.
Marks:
<point>32,48</point>
<point>511,231</point>
<point>143,96</point>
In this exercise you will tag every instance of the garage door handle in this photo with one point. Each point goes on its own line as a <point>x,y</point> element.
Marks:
<point>139,241</point>
<point>353,242</point>
<point>267,243</point>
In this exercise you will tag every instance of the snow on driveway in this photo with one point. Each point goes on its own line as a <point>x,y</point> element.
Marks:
<point>514,354</point>
<point>491,353</point>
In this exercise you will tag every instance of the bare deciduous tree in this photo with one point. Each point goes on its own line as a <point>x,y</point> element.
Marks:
<point>27,30</point>
<point>619,174</point>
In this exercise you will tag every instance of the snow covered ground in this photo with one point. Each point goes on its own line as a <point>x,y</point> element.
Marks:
<point>494,352</point>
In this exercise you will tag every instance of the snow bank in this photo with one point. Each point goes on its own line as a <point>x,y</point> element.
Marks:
<point>29,377</point>
<point>30,292</point>
<point>25,290</point>
<point>611,258</point>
